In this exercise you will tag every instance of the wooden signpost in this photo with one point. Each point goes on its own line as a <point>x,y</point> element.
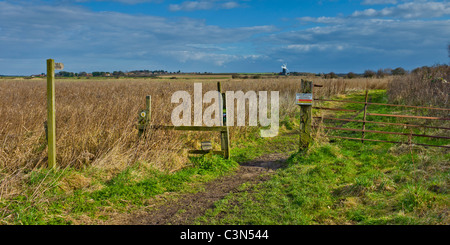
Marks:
<point>51,111</point>
<point>304,100</point>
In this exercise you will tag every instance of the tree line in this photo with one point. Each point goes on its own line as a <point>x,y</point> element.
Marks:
<point>114,73</point>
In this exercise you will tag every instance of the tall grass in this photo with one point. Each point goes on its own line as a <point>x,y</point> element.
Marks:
<point>96,121</point>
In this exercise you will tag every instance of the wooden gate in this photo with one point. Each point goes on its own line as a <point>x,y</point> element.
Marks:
<point>364,121</point>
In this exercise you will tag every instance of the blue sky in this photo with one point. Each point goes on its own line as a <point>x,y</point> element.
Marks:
<point>222,35</point>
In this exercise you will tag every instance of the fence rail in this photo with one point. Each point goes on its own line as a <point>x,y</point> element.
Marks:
<point>387,132</point>
<point>372,103</point>
<point>386,123</point>
<point>387,141</point>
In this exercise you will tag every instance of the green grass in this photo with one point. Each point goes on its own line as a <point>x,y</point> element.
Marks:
<point>347,182</point>
<point>129,190</point>
<point>121,193</point>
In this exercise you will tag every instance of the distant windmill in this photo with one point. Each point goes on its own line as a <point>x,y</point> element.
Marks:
<point>285,69</point>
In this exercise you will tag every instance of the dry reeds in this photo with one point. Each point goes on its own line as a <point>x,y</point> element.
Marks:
<point>426,86</point>
<point>96,121</point>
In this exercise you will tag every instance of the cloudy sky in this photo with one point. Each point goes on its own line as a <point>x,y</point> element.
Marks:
<point>222,35</point>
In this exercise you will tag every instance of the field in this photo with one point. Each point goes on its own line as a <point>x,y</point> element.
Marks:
<point>105,170</point>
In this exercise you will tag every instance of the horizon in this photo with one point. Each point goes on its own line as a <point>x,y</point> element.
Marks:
<point>216,36</point>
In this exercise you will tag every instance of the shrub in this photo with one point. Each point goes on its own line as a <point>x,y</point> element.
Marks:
<point>369,73</point>
<point>351,75</point>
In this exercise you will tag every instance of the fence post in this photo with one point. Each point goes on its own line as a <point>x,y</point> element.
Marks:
<point>51,111</point>
<point>145,116</point>
<point>224,136</point>
<point>148,103</point>
<point>364,117</point>
<point>305,117</point>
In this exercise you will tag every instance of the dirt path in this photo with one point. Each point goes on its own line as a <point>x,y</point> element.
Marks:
<point>186,208</point>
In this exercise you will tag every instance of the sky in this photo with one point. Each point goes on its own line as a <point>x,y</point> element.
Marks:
<point>226,36</point>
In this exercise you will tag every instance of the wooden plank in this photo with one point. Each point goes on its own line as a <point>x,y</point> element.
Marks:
<point>408,116</point>
<point>386,141</point>
<point>51,113</point>
<point>386,123</point>
<point>373,103</point>
<point>205,152</point>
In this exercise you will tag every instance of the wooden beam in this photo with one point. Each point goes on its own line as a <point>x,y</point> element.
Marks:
<point>206,152</point>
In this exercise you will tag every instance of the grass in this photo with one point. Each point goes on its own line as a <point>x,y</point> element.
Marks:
<point>347,182</point>
<point>86,197</point>
<point>123,193</point>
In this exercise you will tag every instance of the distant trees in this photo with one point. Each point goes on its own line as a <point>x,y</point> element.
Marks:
<point>351,75</point>
<point>399,71</point>
<point>98,74</point>
<point>331,75</point>
<point>384,72</point>
<point>65,74</point>
<point>369,74</point>
<point>118,73</point>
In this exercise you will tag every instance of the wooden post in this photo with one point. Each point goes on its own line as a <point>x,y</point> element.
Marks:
<point>148,102</point>
<point>51,111</point>
<point>364,117</point>
<point>224,136</point>
<point>305,117</point>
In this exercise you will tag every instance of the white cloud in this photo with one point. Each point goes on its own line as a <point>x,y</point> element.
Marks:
<point>375,2</point>
<point>203,5</point>
<point>408,10</point>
